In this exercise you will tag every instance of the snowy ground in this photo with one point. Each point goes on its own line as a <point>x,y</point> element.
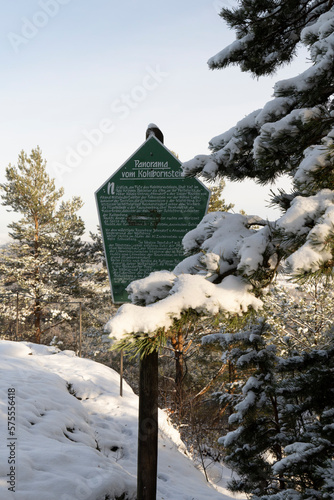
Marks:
<point>75,438</point>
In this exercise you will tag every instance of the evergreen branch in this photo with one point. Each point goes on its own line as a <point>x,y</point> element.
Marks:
<point>141,345</point>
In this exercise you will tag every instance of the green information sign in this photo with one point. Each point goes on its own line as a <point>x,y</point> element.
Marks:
<point>145,209</point>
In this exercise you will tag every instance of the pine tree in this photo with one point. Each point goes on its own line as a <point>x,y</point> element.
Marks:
<point>45,260</point>
<point>216,202</point>
<point>282,444</point>
<point>281,441</point>
<point>293,133</point>
<point>97,281</point>
<point>301,316</point>
<point>255,419</point>
<point>233,256</point>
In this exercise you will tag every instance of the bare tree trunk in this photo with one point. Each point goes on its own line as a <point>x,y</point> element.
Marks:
<point>37,305</point>
<point>177,342</point>
<point>38,322</point>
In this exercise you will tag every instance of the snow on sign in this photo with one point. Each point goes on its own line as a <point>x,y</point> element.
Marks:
<point>145,209</point>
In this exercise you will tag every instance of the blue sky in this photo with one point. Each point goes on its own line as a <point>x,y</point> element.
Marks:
<point>83,79</point>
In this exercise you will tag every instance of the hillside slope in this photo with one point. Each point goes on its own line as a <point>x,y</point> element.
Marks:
<point>75,438</point>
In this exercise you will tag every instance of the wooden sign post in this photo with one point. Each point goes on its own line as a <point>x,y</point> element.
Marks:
<point>148,428</point>
<point>145,209</point>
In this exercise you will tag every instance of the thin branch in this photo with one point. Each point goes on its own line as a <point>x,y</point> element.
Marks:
<point>207,387</point>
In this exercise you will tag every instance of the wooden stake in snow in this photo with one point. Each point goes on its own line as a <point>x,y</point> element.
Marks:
<point>148,410</point>
<point>148,428</point>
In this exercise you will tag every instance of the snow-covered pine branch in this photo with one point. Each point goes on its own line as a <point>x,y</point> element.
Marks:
<point>226,253</point>
<point>293,135</point>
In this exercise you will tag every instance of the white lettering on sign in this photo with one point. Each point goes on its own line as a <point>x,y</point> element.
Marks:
<point>111,188</point>
<point>159,174</point>
<point>151,164</point>
<point>128,174</point>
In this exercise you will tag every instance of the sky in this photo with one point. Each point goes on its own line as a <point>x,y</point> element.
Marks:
<point>82,80</point>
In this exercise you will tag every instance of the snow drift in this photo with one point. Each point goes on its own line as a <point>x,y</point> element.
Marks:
<point>75,438</point>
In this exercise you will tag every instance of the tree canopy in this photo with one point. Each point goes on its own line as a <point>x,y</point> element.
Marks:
<point>45,259</point>
<point>280,438</point>
<point>230,257</point>
<point>216,202</point>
